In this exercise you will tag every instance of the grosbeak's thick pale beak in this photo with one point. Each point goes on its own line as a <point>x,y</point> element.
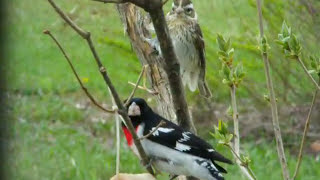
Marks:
<point>134,110</point>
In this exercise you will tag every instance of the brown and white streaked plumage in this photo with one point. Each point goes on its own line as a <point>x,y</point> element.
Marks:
<point>189,45</point>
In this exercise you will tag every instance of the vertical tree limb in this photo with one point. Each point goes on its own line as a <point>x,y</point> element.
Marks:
<point>274,110</point>
<point>117,120</point>
<point>236,145</point>
<point>305,133</point>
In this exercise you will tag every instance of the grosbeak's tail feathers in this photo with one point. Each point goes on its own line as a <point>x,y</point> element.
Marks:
<point>215,156</point>
<point>173,149</point>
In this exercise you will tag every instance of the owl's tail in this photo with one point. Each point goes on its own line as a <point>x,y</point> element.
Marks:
<point>204,89</point>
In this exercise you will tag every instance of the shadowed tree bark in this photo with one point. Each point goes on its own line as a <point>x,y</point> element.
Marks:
<point>170,93</point>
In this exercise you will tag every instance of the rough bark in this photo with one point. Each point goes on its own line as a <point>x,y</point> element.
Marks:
<point>170,93</point>
<point>133,21</point>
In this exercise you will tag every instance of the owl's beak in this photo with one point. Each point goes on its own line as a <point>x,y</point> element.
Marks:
<point>179,11</point>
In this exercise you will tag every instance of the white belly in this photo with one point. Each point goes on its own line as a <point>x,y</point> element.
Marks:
<point>172,161</point>
<point>175,162</point>
<point>188,59</point>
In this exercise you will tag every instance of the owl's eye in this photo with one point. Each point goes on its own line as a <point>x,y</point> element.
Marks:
<point>189,10</point>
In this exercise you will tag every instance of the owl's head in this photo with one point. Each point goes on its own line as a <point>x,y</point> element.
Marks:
<point>183,9</point>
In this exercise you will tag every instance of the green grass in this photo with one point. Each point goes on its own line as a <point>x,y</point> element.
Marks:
<point>52,139</point>
<point>63,142</point>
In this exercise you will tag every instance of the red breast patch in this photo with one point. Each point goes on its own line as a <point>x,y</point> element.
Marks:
<point>128,135</point>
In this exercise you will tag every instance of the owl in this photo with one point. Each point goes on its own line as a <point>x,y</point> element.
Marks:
<point>189,46</point>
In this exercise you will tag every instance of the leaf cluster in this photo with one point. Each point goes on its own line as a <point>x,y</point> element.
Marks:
<point>315,65</point>
<point>289,42</point>
<point>222,134</point>
<point>231,75</point>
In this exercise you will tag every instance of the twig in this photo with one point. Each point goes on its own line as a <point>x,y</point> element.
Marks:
<point>235,117</point>
<point>118,136</point>
<point>274,110</point>
<point>308,74</point>
<point>136,86</point>
<point>154,130</point>
<point>122,110</point>
<point>110,1</point>
<point>236,151</point>
<point>305,133</point>
<point>76,74</point>
<point>244,166</point>
<point>144,88</point>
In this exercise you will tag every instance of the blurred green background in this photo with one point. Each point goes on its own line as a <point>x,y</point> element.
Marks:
<point>57,133</point>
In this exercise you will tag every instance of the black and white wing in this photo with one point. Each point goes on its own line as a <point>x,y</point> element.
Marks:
<point>174,137</point>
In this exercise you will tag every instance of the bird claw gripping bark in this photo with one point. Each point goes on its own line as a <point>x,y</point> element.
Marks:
<point>149,164</point>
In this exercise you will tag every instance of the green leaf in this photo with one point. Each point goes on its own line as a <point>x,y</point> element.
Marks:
<point>221,42</point>
<point>312,71</point>
<point>285,31</point>
<point>231,52</point>
<point>223,128</point>
<point>227,46</point>
<point>266,97</point>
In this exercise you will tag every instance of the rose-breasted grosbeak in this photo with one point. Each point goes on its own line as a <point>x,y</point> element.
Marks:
<point>172,149</point>
<point>189,45</point>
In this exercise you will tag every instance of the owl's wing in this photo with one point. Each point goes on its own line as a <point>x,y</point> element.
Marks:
<point>200,47</point>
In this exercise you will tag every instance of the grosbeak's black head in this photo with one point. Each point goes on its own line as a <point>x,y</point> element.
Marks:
<point>137,107</point>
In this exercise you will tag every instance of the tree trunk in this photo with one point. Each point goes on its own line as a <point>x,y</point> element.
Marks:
<point>135,27</point>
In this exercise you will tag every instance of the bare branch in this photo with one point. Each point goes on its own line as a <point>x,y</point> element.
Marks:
<point>235,117</point>
<point>111,1</point>
<point>144,88</point>
<point>80,31</point>
<point>154,130</point>
<point>136,86</point>
<point>121,109</point>
<point>274,110</point>
<point>308,74</point>
<point>305,133</point>
<point>76,74</point>
<point>117,118</point>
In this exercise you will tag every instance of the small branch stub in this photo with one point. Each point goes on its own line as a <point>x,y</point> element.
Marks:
<point>103,69</point>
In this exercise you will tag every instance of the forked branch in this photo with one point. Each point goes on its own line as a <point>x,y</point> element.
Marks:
<point>76,74</point>
<point>121,109</point>
<point>136,86</point>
